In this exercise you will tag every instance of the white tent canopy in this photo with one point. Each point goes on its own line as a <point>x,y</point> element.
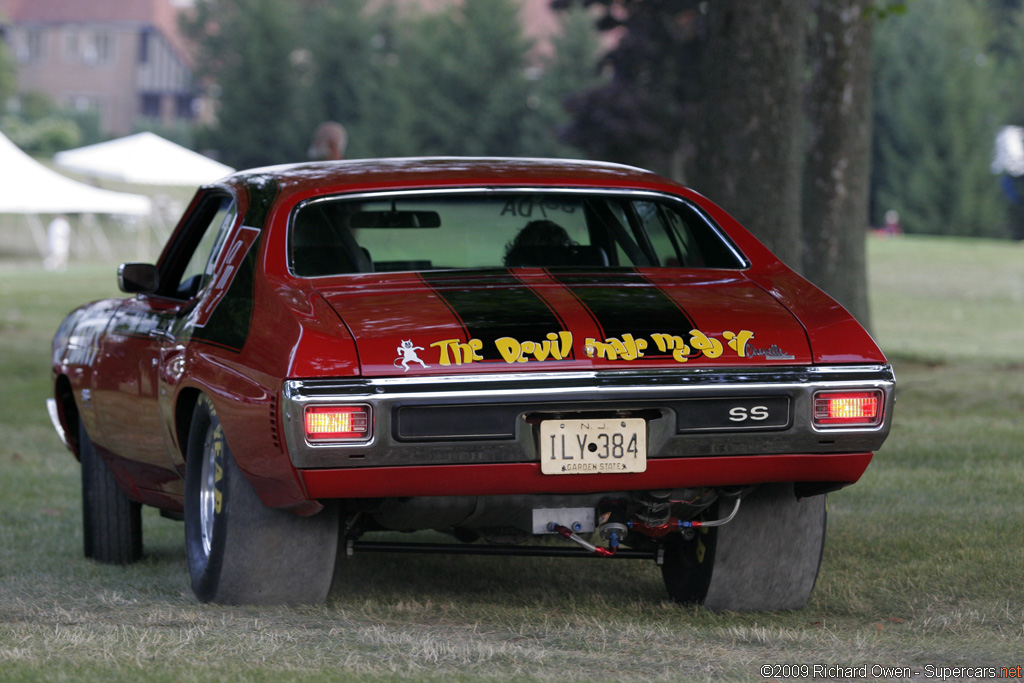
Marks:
<point>143,158</point>
<point>28,187</point>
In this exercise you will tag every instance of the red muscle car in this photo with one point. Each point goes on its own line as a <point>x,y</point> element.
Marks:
<point>536,357</point>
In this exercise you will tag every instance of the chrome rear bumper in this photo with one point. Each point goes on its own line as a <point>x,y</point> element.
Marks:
<point>489,418</point>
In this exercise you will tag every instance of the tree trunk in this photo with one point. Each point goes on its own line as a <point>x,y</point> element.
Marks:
<point>750,152</point>
<point>837,170</point>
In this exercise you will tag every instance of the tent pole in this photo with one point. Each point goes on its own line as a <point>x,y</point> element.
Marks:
<point>38,233</point>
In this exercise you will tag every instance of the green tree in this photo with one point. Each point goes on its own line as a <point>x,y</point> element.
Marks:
<point>938,104</point>
<point>403,83</point>
<point>648,112</point>
<point>8,76</point>
<point>253,50</point>
<point>338,39</point>
<point>467,65</point>
<point>711,94</point>
<point>41,128</point>
<point>569,71</point>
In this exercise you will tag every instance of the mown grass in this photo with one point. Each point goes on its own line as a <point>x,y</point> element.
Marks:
<point>923,564</point>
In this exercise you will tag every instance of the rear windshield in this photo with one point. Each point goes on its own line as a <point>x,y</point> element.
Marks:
<point>431,231</point>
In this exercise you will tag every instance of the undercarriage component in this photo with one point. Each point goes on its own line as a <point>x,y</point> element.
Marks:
<point>610,551</point>
<point>675,524</point>
<point>354,547</point>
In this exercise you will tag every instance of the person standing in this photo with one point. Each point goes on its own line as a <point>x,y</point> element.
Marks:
<point>58,243</point>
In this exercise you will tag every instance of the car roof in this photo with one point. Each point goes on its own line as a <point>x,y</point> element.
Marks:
<point>416,172</point>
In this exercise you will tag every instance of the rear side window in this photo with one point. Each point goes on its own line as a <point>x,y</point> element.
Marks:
<point>474,230</point>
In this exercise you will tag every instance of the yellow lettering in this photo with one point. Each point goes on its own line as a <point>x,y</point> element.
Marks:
<point>557,346</point>
<point>443,346</point>
<point>675,344</point>
<point>551,345</point>
<point>471,350</point>
<point>565,338</point>
<point>632,348</point>
<point>613,348</point>
<point>509,348</point>
<point>738,341</point>
<point>602,349</point>
<point>710,347</point>
<point>667,342</point>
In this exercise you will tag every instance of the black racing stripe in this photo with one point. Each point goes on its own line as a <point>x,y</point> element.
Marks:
<point>628,304</point>
<point>493,304</point>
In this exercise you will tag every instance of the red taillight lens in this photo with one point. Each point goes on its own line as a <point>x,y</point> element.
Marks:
<point>336,423</point>
<point>848,409</point>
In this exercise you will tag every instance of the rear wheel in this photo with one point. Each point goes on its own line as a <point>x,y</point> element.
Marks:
<point>112,522</point>
<point>240,551</point>
<point>767,558</point>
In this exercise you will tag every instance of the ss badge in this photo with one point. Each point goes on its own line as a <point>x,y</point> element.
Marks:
<point>732,414</point>
<point>742,414</point>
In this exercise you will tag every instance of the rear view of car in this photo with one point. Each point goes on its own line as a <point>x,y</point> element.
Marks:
<point>506,351</point>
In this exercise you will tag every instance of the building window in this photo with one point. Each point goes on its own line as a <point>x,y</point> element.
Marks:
<point>150,105</point>
<point>97,48</point>
<point>30,46</point>
<point>144,39</point>
<point>70,46</point>
<point>103,43</point>
<point>184,107</point>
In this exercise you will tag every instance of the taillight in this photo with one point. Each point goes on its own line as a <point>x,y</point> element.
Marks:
<point>337,423</point>
<point>848,408</point>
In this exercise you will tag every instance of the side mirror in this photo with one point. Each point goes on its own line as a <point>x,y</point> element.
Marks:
<point>138,278</point>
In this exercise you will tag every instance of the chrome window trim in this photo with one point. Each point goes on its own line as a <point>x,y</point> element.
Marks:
<point>499,190</point>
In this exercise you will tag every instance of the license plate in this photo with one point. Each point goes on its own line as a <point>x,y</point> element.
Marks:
<point>611,446</point>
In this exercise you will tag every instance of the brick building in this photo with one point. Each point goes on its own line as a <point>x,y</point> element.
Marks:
<point>124,59</point>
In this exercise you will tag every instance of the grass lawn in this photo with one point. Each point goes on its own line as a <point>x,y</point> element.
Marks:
<point>923,565</point>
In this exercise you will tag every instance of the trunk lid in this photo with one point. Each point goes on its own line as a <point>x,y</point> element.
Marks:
<point>440,322</point>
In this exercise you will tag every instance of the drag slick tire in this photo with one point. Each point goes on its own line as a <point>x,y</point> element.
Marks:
<point>766,559</point>
<point>112,522</point>
<point>240,551</point>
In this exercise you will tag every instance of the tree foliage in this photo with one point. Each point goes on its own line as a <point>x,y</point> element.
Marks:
<point>648,111</point>
<point>939,100</point>
<point>8,75</point>
<point>455,81</point>
<point>714,94</point>
<point>252,50</point>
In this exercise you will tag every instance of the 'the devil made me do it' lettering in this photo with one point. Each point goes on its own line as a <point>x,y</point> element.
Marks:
<point>627,347</point>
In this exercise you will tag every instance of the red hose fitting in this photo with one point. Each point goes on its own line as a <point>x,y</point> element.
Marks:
<point>566,532</point>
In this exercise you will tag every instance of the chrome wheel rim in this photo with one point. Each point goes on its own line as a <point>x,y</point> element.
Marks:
<point>208,491</point>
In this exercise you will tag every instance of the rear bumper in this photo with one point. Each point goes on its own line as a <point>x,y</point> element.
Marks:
<point>526,478</point>
<point>430,427</point>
